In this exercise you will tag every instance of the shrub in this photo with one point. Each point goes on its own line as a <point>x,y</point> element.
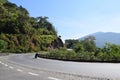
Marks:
<point>62,54</point>
<point>3,45</point>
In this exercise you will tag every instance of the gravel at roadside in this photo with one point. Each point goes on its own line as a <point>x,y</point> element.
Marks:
<point>4,54</point>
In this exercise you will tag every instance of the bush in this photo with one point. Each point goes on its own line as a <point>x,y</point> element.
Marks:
<point>62,54</point>
<point>3,45</point>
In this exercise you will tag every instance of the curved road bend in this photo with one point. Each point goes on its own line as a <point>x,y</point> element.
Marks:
<point>61,70</point>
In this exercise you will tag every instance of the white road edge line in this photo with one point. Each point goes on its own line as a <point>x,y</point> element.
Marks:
<point>11,67</point>
<point>6,65</point>
<point>34,74</point>
<point>0,62</point>
<point>52,78</point>
<point>19,70</point>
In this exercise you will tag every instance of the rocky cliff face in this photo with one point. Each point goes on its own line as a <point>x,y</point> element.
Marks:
<point>57,43</point>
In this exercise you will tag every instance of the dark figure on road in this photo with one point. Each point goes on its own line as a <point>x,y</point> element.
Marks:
<point>36,55</point>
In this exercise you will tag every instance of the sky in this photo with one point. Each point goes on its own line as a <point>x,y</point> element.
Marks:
<point>76,18</point>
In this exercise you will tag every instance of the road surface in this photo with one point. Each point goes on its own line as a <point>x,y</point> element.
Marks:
<point>25,67</point>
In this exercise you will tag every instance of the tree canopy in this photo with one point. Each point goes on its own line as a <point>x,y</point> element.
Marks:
<point>24,33</point>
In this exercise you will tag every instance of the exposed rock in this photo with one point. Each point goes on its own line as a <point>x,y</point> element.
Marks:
<point>57,43</point>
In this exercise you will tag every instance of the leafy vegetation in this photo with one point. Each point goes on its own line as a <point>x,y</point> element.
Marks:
<point>86,50</point>
<point>3,45</point>
<point>21,33</point>
<point>61,54</point>
<point>70,42</point>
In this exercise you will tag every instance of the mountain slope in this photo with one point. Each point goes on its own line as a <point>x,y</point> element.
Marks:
<point>104,37</point>
<point>20,32</point>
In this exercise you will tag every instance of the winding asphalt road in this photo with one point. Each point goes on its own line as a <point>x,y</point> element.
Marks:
<point>25,67</point>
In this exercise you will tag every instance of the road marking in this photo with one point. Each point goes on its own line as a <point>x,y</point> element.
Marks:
<point>34,74</point>
<point>11,67</point>
<point>0,62</point>
<point>6,65</point>
<point>53,78</point>
<point>19,70</point>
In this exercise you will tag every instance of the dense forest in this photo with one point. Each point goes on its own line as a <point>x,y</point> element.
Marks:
<point>20,32</point>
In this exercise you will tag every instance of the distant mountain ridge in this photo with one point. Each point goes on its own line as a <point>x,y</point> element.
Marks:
<point>104,37</point>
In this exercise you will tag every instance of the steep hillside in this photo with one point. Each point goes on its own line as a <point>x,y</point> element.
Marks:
<point>20,32</point>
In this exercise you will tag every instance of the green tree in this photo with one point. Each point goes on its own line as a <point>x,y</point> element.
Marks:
<point>23,11</point>
<point>78,47</point>
<point>70,43</point>
<point>44,23</point>
<point>3,1</point>
<point>22,32</point>
<point>89,44</point>
<point>3,45</point>
<point>112,51</point>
